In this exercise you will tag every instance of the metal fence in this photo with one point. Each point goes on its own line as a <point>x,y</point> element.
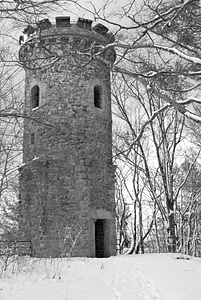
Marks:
<point>15,248</point>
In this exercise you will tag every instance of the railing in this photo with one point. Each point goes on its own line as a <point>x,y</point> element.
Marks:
<point>15,248</point>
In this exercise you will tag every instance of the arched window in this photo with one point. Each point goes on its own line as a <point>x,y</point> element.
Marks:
<point>98,95</point>
<point>35,96</point>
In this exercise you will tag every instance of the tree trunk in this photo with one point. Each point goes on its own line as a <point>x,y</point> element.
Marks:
<point>141,243</point>
<point>157,237</point>
<point>172,238</point>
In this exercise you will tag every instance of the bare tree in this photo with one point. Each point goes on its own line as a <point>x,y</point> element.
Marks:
<point>14,15</point>
<point>158,56</point>
<point>188,209</point>
<point>158,49</point>
<point>158,45</point>
<point>123,212</point>
<point>10,149</point>
<point>155,176</point>
<point>29,11</point>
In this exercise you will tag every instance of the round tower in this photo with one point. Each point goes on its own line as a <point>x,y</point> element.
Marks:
<point>67,175</point>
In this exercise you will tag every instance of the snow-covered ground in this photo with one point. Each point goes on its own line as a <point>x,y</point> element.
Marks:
<point>136,277</point>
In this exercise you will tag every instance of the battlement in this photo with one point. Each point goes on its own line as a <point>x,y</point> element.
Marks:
<point>63,36</point>
<point>63,22</point>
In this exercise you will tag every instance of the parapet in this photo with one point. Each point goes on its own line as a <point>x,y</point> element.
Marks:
<point>63,35</point>
<point>64,22</point>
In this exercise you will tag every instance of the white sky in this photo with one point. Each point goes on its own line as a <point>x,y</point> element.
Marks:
<point>112,8</point>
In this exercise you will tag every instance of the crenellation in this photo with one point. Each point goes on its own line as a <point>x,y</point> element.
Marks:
<point>64,37</point>
<point>62,21</point>
<point>84,23</point>
<point>101,29</point>
<point>44,24</point>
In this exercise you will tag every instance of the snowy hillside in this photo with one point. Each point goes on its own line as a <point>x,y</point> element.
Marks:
<point>137,277</point>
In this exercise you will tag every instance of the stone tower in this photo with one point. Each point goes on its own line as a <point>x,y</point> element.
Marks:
<point>67,175</point>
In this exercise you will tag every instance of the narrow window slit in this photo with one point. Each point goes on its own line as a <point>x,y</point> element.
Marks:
<point>35,96</point>
<point>98,96</point>
<point>32,138</point>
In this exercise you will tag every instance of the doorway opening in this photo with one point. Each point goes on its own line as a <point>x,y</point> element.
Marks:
<point>99,238</point>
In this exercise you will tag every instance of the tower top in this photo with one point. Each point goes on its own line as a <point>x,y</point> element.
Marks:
<point>65,35</point>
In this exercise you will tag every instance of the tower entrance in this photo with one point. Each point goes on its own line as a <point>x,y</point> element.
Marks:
<point>99,238</point>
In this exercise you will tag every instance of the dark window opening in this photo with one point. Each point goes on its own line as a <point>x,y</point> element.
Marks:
<point>32,138</point>
<point>98,96</point>
<point>35,96</point>
<point>52,41</point>
<point>65,40</point>
<point>99,238</point>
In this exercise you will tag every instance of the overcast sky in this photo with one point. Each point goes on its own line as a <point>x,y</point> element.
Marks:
<point>112,9</point>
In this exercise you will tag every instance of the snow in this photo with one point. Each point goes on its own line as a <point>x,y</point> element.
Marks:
<point>35,157</point>
<point>135,277</point>
<point>192,116</point>
<point>35,108</point>
<point>171,212</point>
<point>189,101</point>
<point>151,74</point>
<point>193,59</point>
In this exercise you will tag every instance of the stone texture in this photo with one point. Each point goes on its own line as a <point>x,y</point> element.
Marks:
<point>67,176</point>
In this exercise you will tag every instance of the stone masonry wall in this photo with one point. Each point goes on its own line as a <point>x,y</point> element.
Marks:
<point>67,170</point>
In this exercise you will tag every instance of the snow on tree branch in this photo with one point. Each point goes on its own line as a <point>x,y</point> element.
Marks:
<point>190,100</point>
<point>179,105</point>
<point>193,59</point>
<point>192,116</point>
